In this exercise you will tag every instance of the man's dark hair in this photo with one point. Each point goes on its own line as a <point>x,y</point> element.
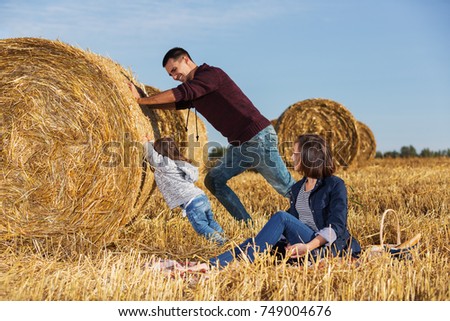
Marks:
<point>174,54</point>
<point>315,155</point>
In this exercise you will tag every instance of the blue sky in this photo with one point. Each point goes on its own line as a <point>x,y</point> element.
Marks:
<point>387,61</point>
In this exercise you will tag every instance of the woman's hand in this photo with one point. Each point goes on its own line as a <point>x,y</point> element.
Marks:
<point>300,249</point>
<point>297,250</point>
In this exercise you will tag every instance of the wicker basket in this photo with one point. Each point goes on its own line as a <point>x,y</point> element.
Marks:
<point>401,250</point>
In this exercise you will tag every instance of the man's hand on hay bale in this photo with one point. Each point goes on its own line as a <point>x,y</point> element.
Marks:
<point>134,90</point>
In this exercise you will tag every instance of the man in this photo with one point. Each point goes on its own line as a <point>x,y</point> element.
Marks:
<point>253,141</point>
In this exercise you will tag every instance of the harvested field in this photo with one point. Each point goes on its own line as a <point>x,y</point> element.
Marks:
<point>418,189</point>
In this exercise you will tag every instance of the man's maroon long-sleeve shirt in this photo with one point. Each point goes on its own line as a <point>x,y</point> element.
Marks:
<point>216,96</point>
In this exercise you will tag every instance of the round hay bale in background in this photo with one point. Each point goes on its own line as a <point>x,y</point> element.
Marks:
<point>173,123</point>
<point>71,143</point>
<point>367,142</point>
<point>319,116</point>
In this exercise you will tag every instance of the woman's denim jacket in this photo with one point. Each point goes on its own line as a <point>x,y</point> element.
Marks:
<point>329,206</point>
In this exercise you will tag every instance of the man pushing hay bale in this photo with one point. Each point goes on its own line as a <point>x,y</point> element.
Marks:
<point>323,117</point>
<point>71,143</point>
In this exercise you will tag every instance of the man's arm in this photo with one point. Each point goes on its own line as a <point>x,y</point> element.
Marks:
<point>168,106</point>
<point>163,100</point>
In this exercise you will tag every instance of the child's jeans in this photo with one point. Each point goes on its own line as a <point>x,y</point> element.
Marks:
<point>202,220</point>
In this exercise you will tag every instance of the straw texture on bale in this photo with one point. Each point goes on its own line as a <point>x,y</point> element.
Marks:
<point>367,142</point>
<point>324,117</point>
<point>173,123</point>
<point>71,142</point>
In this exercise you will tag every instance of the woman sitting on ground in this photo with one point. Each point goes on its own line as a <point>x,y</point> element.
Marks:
<point>316,222</point>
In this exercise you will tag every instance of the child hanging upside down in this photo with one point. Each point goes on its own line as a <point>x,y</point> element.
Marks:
<point>175,177</point>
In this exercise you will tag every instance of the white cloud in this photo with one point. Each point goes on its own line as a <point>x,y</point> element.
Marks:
<point>62,17</point>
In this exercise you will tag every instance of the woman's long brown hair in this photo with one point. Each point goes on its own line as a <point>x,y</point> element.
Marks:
<point>316,157</point>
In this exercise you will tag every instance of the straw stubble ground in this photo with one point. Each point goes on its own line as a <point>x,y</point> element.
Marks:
<point>417,189</point>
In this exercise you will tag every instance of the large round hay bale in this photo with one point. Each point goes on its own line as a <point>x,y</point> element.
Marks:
<point>367,142</point>
<point>71,142</point>
<point>173,123</point>
<point>324,117</point>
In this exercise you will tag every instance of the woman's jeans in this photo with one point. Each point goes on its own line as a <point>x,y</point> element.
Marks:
<point>199,213</point>
<point>281,223</point>
<point>260,153</point>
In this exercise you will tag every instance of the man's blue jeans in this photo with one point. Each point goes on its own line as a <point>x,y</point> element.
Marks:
<point>202,220</point>
<point>281,223</point>
<point>260,153</point>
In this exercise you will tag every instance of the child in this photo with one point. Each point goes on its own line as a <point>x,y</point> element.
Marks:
<point>175,177</point>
